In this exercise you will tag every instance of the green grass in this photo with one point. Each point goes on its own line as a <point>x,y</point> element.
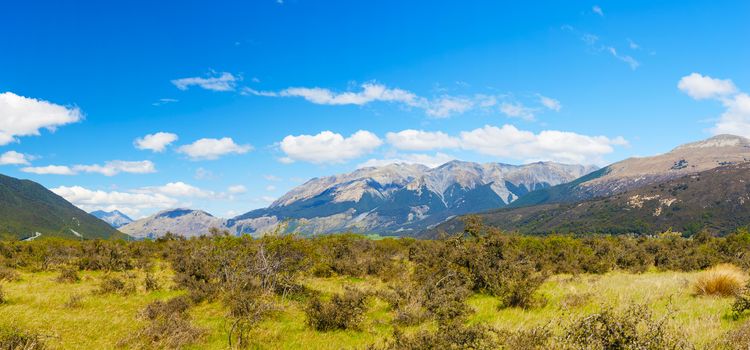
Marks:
<point>38,302</point>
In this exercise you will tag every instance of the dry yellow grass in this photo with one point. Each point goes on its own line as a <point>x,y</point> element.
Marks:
<point>721,280</point>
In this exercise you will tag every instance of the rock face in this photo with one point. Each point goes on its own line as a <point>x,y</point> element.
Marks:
<point>28,209</point>
<point>183,222</point>
<point>114,218</point>
<point>717,200</point>
<point>403,198</point>
<point>691,158</point>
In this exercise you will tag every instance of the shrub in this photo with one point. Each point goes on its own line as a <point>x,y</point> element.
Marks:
<point>343,311</point>
<point>2,295</point>
<point>75,301</point>
<point>111,284</point>
<point>151,283</point>
<point>68,275</point>
<point>451,335</point>
<point>741,302</point>
<point>738,338</point>
<point>406,300</point>
<point>169,326</point>
<point>572,301</point>
<point>721,280</point>
<point>13,338</point>
<point>535,338</point>
<point>634,328</point>
<point>9,275</point>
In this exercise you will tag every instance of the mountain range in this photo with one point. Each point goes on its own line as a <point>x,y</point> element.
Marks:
<point>114,218</point>
<point>400,199</point>
<point>28,210</point>
<point>700,185</point>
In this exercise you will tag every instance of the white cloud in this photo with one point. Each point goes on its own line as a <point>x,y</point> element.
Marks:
<point>155,142</point>
<point>328,147</point>
<point>49,170</point>
<point>567,147</point>
<point>517,110</point>
<point>594,43</point>
<point>273,178</point>
<point>419,140</point>
<point>550,103</point>
<point>130,203</point>
<point>270,188</point>
<point>14,158</point>
<point>203,174</point>
<point>431,161</point>
<point>633,45</point>
<point>213,148</point>
<point>23,116</point>
<point>109,168</point>
<point>221,82</point>
<point>115,167</point>
<point>702,87</point>
<point>370,92</point>
<point>177,189</point>
<point>736,117</point>
<point>597,10</point>
<point>237,189</point>
<point>446,106</point>
<point>632,62</point>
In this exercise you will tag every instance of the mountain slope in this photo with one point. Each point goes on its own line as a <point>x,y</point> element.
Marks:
<point>716,199</point>
<point>27,207</point>
<point>632,173</point>
<point>114,218</point>
<point>183,222</point>
<point>403,198</point>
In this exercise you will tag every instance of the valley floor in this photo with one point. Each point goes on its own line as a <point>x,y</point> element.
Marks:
<point>38,302</point>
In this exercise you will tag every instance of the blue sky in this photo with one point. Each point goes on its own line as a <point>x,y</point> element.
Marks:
<point>258,96</point>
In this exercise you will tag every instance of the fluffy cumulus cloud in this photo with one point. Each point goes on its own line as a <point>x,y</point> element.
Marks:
<point>736,116</point>
<point>567,147</point>
<point>419,140</point>
<point>328,147</point>
<point>24,116</point>
<point>157,142</point>
<point>702,87</point>
<point>130,203</point>
<point>14,158</point>
<point>208,149</point>
<point>430,160</point>
<point>109,168</point>
<point>135,202</point>
<point>215,82</point>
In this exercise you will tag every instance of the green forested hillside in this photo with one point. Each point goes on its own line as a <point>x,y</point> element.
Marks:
<point>27,207</point>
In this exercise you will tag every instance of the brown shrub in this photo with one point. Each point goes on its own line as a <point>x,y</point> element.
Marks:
<point>535,338</point>
<point>169,326</point>
<point>68,275</point>
<point>721,280</point>
<point>343,311</point>
<point>9,275</point>
<point>739,338</point>
<point>634,328</point>
<point>13,338</point>
<point>450,335</point>
<point>116,285</point>
<point>151,283</point>
<point>2,295</point>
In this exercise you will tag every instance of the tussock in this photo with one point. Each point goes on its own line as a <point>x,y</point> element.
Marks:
<point>721,280</point>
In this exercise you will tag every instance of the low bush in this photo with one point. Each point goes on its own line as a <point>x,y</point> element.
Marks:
<point>407,301</point>
<point>68,275</point>
<point>343,311</point>
<point>169,327</point>
<point>115,285</point>
<point>2,295</point>
<point>13,338</point>
<point>535,338</point>
<point>738,338</point>
<point>721,280</point>
<point>9,275</point>
<point>633,328</point>
<point>741,302</point>
<point>450,335</point>
<point>151,283</point>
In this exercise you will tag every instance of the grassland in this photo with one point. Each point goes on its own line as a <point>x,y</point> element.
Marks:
<point>37,301</point>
